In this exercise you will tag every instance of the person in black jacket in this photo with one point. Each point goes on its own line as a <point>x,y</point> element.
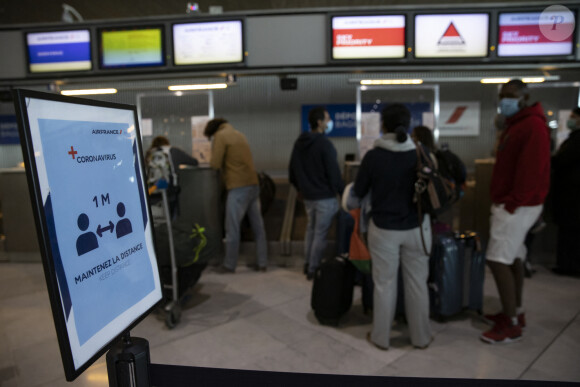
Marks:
<point>315,173</point>
<point>388,172</point>
<point>565,199</point>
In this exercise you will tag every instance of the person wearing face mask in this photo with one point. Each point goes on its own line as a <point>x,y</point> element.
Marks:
<point>315,174</point>
<point>519,185</point>
<point>565,195</point>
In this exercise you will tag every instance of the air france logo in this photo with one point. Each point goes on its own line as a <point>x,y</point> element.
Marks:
<point>451,37</point>
<point>89,158</point>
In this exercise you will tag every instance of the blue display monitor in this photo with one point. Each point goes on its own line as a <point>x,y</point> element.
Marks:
<point>127,47</point>
<point>59,51</point>
<point>86,178</point>
<point>203,43</point>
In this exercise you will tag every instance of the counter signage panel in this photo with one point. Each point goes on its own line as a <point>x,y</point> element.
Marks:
<point>208,43</point>
<point>132,47</point>
<point>368,37</point>
<point>85,161</point>
<point>59,51</point>
<point>451,36</point>
<point>520,34</point>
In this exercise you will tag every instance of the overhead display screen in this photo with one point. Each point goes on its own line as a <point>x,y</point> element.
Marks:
<point>137,47</point>
<point>85,161</point>
<point>451,36</point>
<point>59,51</point>
<point>208,43</point>
<point>368,37</point>
<point>521,34</point>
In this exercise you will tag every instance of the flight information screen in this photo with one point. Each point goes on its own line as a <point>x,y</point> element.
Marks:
<point>368,37</point>
<point>139,47</point>
<point>521,34</point>
<point>59,51</point>
<point>451,36</point>
<point>208,43</point>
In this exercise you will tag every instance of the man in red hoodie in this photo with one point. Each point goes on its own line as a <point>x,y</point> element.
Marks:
<point>519,185</point>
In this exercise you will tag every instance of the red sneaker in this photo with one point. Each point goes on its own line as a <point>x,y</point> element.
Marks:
<point>492,319</point>
<point>503,332</point>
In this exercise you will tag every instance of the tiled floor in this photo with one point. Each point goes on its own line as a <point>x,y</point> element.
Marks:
<point>263,321</point>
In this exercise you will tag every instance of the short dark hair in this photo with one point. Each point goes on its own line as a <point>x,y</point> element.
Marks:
<point>576,111</point>
<point>425,136</point>
<point>396,118</point>
<point>519,85</point>
<point>159,141</point>
<point>213,126</point>
<point>315,115</point>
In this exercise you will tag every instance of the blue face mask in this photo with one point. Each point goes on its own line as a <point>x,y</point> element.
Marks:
<point>509,106</point>
<point>329,127</point>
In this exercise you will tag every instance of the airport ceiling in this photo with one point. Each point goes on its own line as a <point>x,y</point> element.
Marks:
<point>50,11</point>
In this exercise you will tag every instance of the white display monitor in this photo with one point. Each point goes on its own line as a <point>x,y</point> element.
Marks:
<point>131,47</point>
<point>521,34</point>
<point>368,37</point>
<point>203,43</point>
<point>86,179</point>
<point>59,51</point>
<point>451,35</point>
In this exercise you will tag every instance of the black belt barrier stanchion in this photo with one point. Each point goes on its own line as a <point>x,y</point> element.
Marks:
<point>128,363</point>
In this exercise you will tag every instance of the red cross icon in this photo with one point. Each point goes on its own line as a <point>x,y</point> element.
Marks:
<point>72,152</point>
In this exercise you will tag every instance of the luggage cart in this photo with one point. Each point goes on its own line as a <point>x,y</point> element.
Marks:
<point>172,308</point>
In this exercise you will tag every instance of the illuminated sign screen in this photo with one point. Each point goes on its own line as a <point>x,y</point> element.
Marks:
<point>521,34</point>
<point>208,43</point>
<point>84,159</point>
<point>59,51</point>
<point>368,37</point>
<point>451,36</point>
<point>138,47</point>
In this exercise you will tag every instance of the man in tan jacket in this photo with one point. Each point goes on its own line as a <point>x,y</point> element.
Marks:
<point>232,155</point>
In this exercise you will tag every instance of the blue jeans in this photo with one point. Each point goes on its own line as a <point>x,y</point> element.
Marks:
<point>320,216</point>
<point>239,202</point>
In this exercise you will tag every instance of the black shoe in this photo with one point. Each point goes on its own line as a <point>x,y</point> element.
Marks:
<point>305,268</point>
<point>309,276</point>
<point>255,267</point>
<point>224,270</point>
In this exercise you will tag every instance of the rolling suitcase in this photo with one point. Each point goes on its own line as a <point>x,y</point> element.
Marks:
<point>456,274</point>
<point>332,290</point>
<point>445,277</point>
<point>469,245</point>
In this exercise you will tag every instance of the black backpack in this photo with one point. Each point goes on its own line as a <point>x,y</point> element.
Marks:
<point>451,166</point>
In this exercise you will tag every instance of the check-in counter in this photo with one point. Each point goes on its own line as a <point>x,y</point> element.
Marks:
<point>200,201</point>
<point>20,241</point>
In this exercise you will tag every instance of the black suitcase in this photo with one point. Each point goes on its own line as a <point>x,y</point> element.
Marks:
<point>332,290</point>
<point>469,244</point>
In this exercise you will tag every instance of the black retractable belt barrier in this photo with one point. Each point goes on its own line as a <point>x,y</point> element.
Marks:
<point>128,363</point>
